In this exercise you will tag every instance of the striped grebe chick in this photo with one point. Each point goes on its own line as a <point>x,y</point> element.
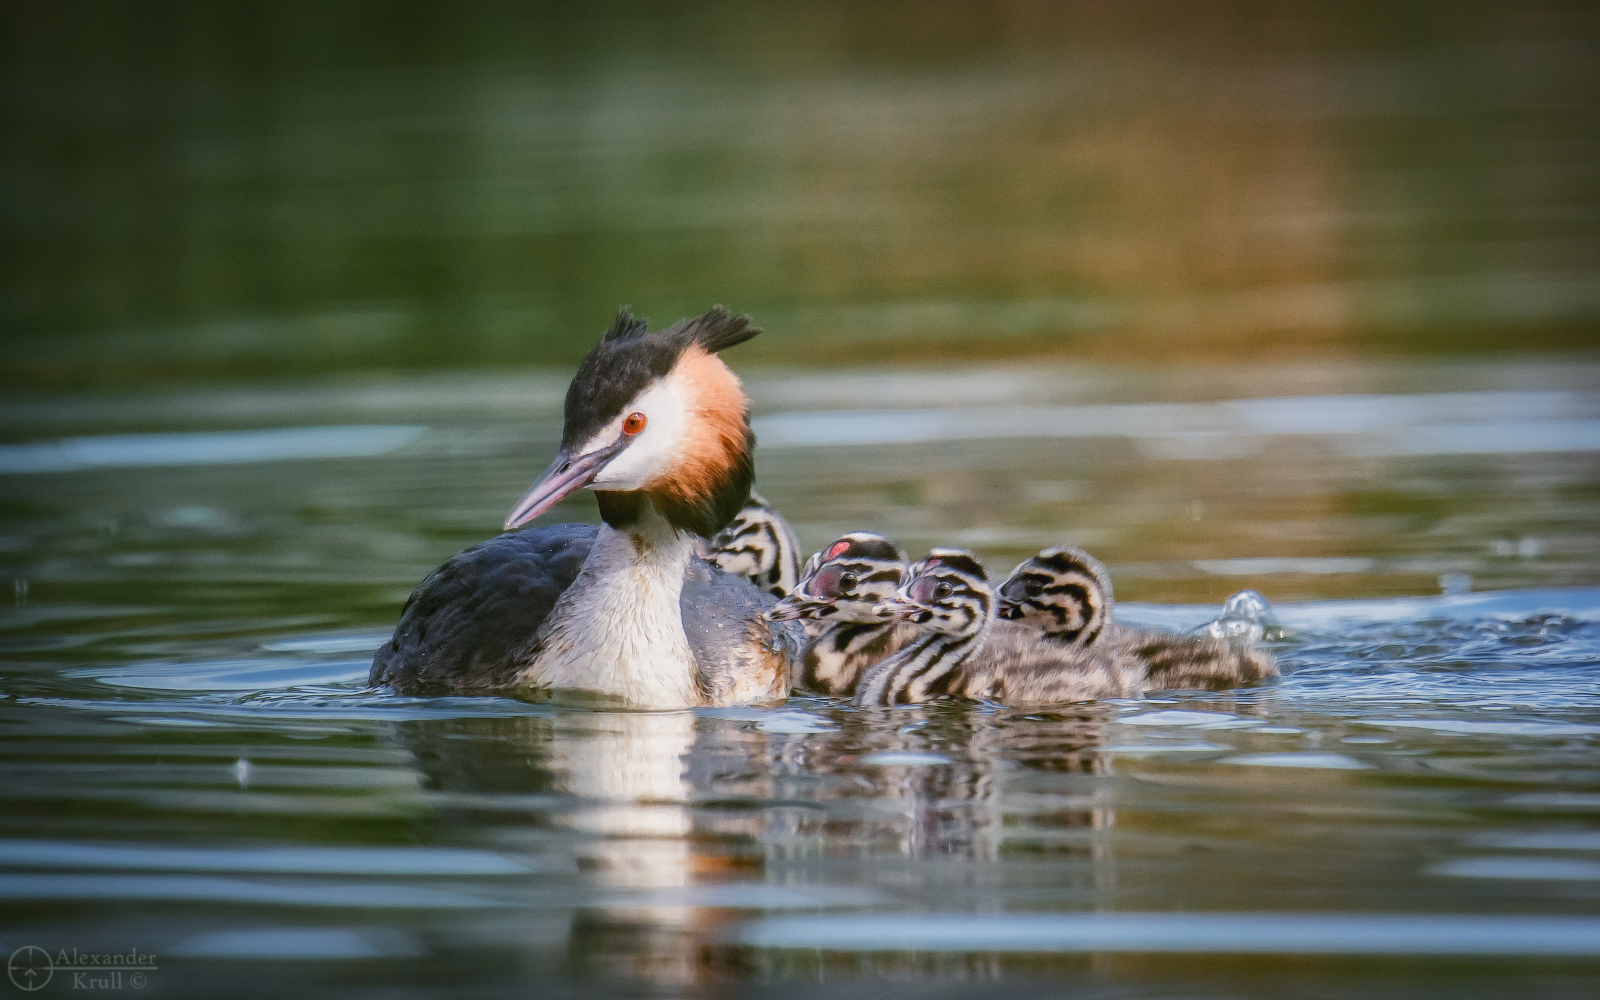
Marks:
<point>1049,654</point>
<point>947,595</point>
<point>759,545</point>
<point>623,613</point>
<point>837,599</point>
<point>1065,594</point>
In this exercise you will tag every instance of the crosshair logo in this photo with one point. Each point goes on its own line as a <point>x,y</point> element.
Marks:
<point>30,968</point>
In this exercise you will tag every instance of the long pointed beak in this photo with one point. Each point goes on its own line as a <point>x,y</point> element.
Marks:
<point>566,475</point>
<point>904,610</point>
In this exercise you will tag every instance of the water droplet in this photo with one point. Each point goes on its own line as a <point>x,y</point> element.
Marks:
<point>1246,616</point>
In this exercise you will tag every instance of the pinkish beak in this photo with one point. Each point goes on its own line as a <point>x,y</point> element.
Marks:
<point>908,611</point>
<point>567,474</point>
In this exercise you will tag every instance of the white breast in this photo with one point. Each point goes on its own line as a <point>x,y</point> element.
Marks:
<point>618,630</point>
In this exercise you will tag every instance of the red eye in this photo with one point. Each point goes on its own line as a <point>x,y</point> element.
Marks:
<point>826,583</point>
<point>634,423</point>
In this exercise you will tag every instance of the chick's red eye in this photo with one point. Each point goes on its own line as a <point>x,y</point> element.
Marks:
<point>634,423</point>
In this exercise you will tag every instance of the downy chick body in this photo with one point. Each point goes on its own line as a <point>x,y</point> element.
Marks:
<point>1065,650</point>
<point>1064,595</point>
<point>837,598</point>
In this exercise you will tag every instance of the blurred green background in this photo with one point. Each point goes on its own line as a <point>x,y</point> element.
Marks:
<point>196,190</point>
<point>243,217</point>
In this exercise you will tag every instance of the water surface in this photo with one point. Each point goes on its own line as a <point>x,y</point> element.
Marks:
<point>193,766</point>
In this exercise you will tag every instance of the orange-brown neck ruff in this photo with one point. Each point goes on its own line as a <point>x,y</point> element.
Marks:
<point>711,478</point>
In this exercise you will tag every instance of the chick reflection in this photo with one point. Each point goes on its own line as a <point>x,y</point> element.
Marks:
<point>933,778</point>
<point>942,772</point>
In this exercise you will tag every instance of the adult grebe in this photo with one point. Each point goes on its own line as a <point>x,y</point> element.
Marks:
<point>624,613</point>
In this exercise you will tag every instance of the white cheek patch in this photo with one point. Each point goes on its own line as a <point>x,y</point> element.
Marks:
<point>653,450</point>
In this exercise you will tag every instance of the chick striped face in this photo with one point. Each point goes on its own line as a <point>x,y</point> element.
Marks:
<point>948,592</point>
<point>1063,592</point>
<point>846,581</point>
<point>759,546</point>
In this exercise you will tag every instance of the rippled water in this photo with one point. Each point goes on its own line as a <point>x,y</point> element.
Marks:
<point>1289,297</point>
<point>193,768</point>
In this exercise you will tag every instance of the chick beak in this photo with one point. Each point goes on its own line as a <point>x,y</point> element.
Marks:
<point>1009,610</point>
<point>797,606</point>
<point>566,475</point>
<point>908,611</point>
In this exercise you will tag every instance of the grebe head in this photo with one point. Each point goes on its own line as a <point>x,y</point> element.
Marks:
<point>658,417</point>
<point>948,592</point>
<point>1063,592</point>
<point>845,581</point>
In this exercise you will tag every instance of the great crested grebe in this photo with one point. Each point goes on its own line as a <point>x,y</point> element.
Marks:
<point>837,597</point>
<point>1032,660</point>
<point>624,612</point>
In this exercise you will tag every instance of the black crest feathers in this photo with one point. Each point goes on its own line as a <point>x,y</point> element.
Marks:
<point>715,331</point>
<point>1064,560</point>
<point>629,357</point>
<point>626,327</point>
